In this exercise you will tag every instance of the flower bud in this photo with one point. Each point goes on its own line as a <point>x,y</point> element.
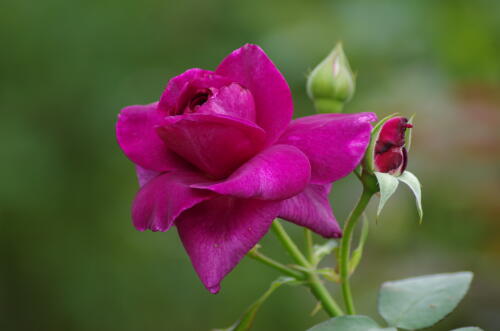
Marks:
<point>390,155</point>
<point>387,151</point>
<point>331,83</point>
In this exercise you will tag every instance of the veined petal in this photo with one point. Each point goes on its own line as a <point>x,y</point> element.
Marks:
<point>219,232</point>
<point>216,144</point>
<point>159,202</point>
<point>252,68</point>
<point>136,135</point>
<point>312,210</point>
<point>334,143</point>
<point>277,173</point>
<point>144,175</point>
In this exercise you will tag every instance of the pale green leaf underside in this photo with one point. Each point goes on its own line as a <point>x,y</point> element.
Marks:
<point>387,185</point>
<point>468,328</point>
<point>420,302</point>
<point>412,181</point>
<point>349,323</point>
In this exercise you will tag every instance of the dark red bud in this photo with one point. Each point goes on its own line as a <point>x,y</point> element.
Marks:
<point>390,154</point>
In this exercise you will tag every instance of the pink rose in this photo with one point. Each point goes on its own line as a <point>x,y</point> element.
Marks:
<point>219,157</point>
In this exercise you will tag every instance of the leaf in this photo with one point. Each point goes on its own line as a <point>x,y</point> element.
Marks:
<point>468,328</point>
<point>320,251</point>
<point>245,323</point>
<point>412,181</point>
<point>417,303</point>
<point>388,185</point>
<point>358,252</point>
<point>408,134</point>
<point>349,323</point>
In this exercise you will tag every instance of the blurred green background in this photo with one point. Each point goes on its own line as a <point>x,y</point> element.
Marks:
<point>70,258</point>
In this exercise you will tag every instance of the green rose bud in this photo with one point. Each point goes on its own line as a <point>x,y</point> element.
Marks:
<point>331,83</point>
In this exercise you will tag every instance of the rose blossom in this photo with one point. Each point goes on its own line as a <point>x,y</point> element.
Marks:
<point>219,157</point>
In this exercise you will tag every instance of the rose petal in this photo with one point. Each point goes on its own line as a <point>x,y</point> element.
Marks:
<point>312,209</point>
<point>252,68</point>
<point>334,143</point>
<point>161,200</point>
<point>216,144</point>
<point>136,135</point>
<point>218,233</point>
<point>144,175</point>
<point>177,91</point>
<point>277,173</point>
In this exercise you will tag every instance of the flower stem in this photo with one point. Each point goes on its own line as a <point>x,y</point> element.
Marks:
<point>275,264</point>
<point>309,245</point>
<point>317,288</point>
<point>345,248</point>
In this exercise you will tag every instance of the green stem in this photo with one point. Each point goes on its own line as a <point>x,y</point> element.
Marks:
<point>317,288</point>
<point>275,264</point>
<point>309,246</point>
<point>345,248</point>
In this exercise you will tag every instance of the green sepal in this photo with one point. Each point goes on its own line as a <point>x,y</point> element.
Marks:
<point>320,251</point>
<point>408,133</point>
<point>413,183</point>
<point>358,252</point>
<point>420,302</point>
<point>368,160</point>
<point>387,185</point>
<point>350,323</point>
<point>245,323</point>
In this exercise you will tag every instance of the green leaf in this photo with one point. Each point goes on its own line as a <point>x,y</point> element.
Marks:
<point>245,323</point>
<point>320,251</point>
<point>468,328</point>
<point>387,185</point>
<point>358,252</point>
<point>417,303</point>
<point>349,323</point>
<point>412,181</point>
<point>408,134</point>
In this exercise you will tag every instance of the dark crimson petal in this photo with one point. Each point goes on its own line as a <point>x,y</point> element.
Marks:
<point>216,144</point>
<point>334,143</point>
<point>252,68</point>
<point>311,209</point>
<point>218,233</point>
<point>159,202</point>
<point>136,135</point>
<point>279,172</point>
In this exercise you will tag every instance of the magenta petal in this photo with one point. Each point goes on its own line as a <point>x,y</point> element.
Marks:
<point>144,175</point>
<point>252,68</point>
<point>174,98</point>
<point>277,173</point>
<point>334,143</point>
<point>216,144</point>
<point>311,209</point>
<point>161,200</point>
<point>136,135</point>
<point>218,233</point>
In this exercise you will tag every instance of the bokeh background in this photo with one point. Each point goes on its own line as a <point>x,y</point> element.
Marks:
<point>70,259</point>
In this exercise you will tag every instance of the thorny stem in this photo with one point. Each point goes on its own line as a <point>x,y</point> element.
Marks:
<point>345,248</point>
<point>309,246</point>
<point>275,264</point>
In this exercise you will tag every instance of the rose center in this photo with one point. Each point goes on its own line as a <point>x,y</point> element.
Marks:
<point>199,99</point>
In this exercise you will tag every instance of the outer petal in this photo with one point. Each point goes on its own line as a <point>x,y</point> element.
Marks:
<point>161,200</point>
<point>251,67</point>
<point>277,173</point>
<point>334,143</point>
<point>312,209</point>
<point>136,135</point>
<point>218,233</point>
<point>214,143</point>
<point>144,176</point>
